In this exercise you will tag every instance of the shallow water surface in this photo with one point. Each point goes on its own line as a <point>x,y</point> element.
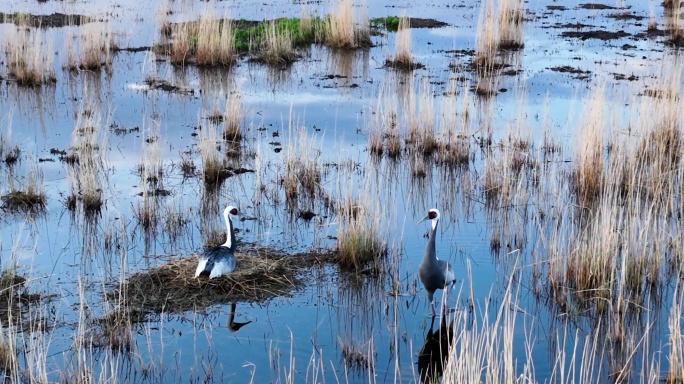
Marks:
<point>339,326</point>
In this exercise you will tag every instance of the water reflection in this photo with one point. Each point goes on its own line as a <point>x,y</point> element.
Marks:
<point>360,298</point>
<point>231,324</point>
<point>341,64</point>
<point>35,104</point>
<point>435,351</point>
<point>214,85</point>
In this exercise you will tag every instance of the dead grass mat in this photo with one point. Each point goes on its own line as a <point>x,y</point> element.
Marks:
<point>261,274</point>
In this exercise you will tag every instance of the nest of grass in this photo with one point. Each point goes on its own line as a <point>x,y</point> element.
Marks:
<point>261,274</point>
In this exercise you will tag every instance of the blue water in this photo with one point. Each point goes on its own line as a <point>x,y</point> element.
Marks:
<point>308,328</point>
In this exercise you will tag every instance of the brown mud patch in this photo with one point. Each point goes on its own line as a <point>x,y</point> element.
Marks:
<point>157,192</point>
<point>578,73</point>
<point>261,274</point>
<point>596,6</point>
<point>596,34</point>
<point>626,16</point>
<point>132,49</point>
<point>156,83</point>
<point>55,20</point>
<point>403,65</point>
<point>418,22</point>
<point>621,76</point>
<point>577,25</point>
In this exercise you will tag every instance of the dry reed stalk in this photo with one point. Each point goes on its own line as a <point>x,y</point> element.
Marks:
<point>29,196</point>
<point>180,50</point>
<point>277,46</point>
<point>215,41</point>
<point>510,14</point>
<point>402,58</point>
<point>421,125</point>
<point>343,31</point>
<point>358,241</point>
<point>357,358</point>
<point>88,153</point>
<point>657,155</point>
<point>376,140</point>
<point>29,56</point>
<point>302,174</point>
<point>9,353</point>
<point>289,180</point>
<point>306,26</point>
<point>425,131</point>
<point>591,264</point>
<point>675,372</point>
<point>486,42</point>
<point>383,125</point>
<point>588,176</point>
<point>213,171</point>
<point>359,226</point>
<point>151,174</point>
<point>95,44</point>
<point>453,140</point>
<point>483,346</point>
<point>71,57</point>
<point>164,9</point>
<point>672,22</point>
<point>233,116</point>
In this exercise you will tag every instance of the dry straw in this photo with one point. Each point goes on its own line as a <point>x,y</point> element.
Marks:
<point>344,29</point>
<point>261,274</point>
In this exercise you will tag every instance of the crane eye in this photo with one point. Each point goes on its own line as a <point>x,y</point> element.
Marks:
<point>432,214</point>
<point>234,211</point>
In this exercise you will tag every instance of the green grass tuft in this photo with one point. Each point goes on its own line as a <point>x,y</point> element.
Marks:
<point>390,23</point>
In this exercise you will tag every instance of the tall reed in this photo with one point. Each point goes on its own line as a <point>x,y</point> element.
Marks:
<point>29,56</point>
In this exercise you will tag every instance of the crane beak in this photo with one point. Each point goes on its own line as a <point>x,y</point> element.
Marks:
<point>423,219</point>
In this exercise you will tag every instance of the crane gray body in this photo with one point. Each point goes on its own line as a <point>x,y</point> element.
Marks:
<point>217,261</point>
<point>434,273</point>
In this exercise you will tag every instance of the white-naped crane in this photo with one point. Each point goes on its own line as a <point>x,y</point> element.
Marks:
<point>220,260</point>
<point>434,273</point>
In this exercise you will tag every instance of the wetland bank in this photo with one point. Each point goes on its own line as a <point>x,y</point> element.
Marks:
<point>549,137</point>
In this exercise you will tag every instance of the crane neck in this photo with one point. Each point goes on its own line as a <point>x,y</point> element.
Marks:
<point>433,231</point>
<point>430,255</point>
<point>230,234</point>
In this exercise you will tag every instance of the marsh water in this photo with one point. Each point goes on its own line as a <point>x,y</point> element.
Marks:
<point>320,108</point>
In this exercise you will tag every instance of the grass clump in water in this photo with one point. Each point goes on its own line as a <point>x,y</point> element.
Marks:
<point>358,240</point>
<point>29,56</point>
<point>391,23</point>
<point>277,46</point>
<point>210,41</point>
<point>402,57</point>
<point>344,29</point>
<point>31,198</point>
<point>249,35</point>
